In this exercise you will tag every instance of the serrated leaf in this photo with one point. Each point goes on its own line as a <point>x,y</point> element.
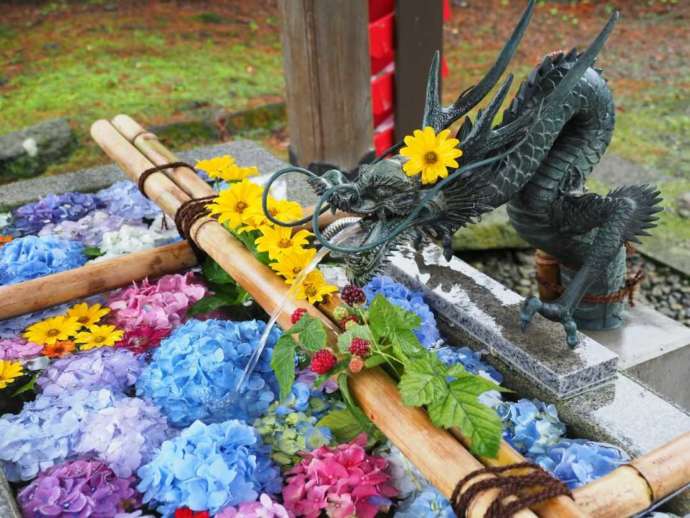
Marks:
<point>301,324</point>
<point>356,331</point>
<point>27,387</point>
<point>374,361</point>
<point>283,364</point>
<point>421,388</point>
<point>343,423</point>
<point>461,408</point>
<point>313,336</point>
<point>385,319</point>
<point>408,343</point>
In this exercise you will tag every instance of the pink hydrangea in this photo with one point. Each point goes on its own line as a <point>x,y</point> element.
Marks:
<point>18,349</point>
<point>343,481</point>
<point>263,508</point>
<point>161,305</point>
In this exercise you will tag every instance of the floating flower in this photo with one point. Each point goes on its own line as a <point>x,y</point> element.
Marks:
<point>578,462</point>
<point>5,239</point>
<point>265,507</point>
<point>232,203</point>
<point>18,349</point>
<point>114,369</point>
<point>51,330</point>
<point>125,435</point>
<point>341,481</point>
<point>31,257</point>
<point>428,504</point>
<point>314,288</point>
<point>13,327</point>
<point>54,208</point>
<point>78,488</point>
<point>208,467</point>
<point>282,210</point>
<point>186,512</point>
<point>98,336</point>
<point>531,427</point>
<point>405,476</point>
<point>409,300</point>
<point>195,371</point>
<point>471,360</point>
<point>292,262</point>
<point>278,241</point>
<point>87,315</point>
<point>162,304</point>
<point>88,230</point>
<point>225,168</point>
<point>142,338</point>
<point>129,238</point>
<point>9,372</point>
<point>59,349</point>
<point>124,200</point>
<point>430,154</point>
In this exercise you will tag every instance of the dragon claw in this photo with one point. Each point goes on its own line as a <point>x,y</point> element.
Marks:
<point>553,311</point>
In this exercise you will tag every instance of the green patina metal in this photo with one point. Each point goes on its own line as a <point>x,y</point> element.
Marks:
<point>536,161</point>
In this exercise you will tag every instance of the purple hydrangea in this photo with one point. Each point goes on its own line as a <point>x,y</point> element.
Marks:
<point>30,257</point>
<point>88,230</point>
<point>54,208</point>
<point>208,467</point>
<point>18,349</point>
<point>531,427</point>
<point>409,300</point>
<point>124,200</point>
<point>195,370</point>
<point>78,488</point>
<point>103,367</point>
<point>578,462</point>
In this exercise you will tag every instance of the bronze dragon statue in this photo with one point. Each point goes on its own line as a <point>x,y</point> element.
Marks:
<point>536,161</point>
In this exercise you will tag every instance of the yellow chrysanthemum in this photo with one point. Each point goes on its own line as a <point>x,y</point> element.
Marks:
<point>98,336</point>
<point>87,315</point>
<point>277,241</point>
<point>282,210</point>
<point>430,154</point>
<point>232,203</point>
<point>225,168</point>
<point>314,288</point>
<point>9,371</point>
<point>51,330</point>
<point>293,262</point>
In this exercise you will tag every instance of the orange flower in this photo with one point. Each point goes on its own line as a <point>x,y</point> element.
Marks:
<point>59,349</point>
<point>5,239</point>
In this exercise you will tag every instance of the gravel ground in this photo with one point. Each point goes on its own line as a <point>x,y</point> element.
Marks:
<point>663,288</point>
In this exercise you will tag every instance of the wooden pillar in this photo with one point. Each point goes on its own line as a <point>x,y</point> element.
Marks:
<point>326,61</point>
<point>418,34</point>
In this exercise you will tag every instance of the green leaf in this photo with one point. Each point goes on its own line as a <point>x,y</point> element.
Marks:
<point>301,324</point>
<point>213,273</point>
<point>356,331</point>
<point>283,364</point>
<point>420,384</point>
<point>27,387</point>
<point>408,343</point>
<point>343,423</point>
<point>313,336</point>
<point>364,421</point>
<point>461,408</point>
<point>92,251</point>
<point>385,319</point>
<point>211,303</point>
<point>374,360</point>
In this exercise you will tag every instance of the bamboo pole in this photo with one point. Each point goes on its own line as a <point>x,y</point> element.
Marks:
<point>633,488</point>
<point>443,459</point>
<point>96,277</point>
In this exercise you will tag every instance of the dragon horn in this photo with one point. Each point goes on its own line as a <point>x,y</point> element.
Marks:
<point>438,117</point>
<point>486,117</point>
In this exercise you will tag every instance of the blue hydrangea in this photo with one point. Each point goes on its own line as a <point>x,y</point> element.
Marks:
<point>30,257</point>
<point>304,398</point>
<point>54,208</point>
<point>407,299</point>
<point>578,462</point>
<point>208,467</point>
<point>471,360</point>
<point>124,199</point>
<point>195,370</point>
<point>531,427</point>
<point>427,504</point>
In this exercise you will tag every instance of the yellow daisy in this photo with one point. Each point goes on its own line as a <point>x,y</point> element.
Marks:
<point>282,210</point>
<point>98,336</point>
<point>232,203</point>
<point>51,330</point>
<point>9,372</point>
<point>291,263</point>
<point>279,240</point>
<point>430,154</point>
<point>314,288</point>
<point>87,315</point>
<point>225,168</point>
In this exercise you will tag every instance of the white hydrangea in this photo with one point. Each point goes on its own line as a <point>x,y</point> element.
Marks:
<point>130,239</point>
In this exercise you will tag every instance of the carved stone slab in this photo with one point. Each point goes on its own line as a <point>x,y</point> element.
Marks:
<point>489,312</point>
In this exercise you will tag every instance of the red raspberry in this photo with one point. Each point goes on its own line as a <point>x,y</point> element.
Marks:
<point>356,364</point>
<point>359,346</point>
<point>347,319</point>
<point>297,315</point>
<point>323,361</point>
<point>353,295</point>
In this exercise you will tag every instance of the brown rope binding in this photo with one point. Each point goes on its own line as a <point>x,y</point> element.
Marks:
<point>141,182</point>
<point>528,489</point>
